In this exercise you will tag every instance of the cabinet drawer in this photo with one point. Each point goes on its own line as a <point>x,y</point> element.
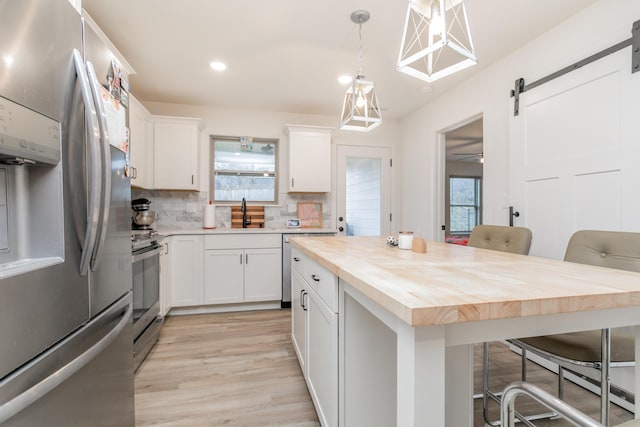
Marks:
<point>242,241</point>
<point>297,261</point>
<point>323,282</point>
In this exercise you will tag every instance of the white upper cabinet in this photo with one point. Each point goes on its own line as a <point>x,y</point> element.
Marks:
<point>309,159</point>
<point>140,144</point>
<point>175,145</point>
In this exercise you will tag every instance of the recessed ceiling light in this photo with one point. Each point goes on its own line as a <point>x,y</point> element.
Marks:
<point>345,79</point>
<point>218,66</point>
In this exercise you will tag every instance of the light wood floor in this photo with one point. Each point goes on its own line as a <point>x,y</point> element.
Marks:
<point>235,369</point>
<point>240,369</point>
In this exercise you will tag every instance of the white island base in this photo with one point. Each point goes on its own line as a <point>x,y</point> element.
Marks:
<point>397,375</point>
<point>407,322</point>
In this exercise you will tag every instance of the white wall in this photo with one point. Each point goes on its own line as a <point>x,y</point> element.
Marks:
<point>595,28</point>
<point>235,122</point>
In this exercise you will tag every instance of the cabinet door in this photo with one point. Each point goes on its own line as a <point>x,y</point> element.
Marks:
<point>140,143</point>
<point>263,274</point>
<point>299,317</point>
<point>322,358</point>
<point>175,155</point>
<point>309,161</point>
<point>224,276</point>
<point>165,277</point>
<point>187,270</point>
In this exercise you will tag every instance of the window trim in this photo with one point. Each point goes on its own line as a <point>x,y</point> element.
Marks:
<point>212,172</point>
<point>478,206</point>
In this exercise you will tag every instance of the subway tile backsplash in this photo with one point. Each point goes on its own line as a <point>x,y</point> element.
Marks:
<point>184,209</point>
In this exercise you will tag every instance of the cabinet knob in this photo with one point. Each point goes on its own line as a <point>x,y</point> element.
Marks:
<point>340,228</point>
<point>315,277</point>
<point>296,259</point>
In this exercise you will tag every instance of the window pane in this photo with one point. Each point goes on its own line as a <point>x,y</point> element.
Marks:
<point>463,191</point>
<point>243,167</point>
<point>464,201</point>
<point>463,219</point>
<point>363,196</point>
<point>244,156</point>
<point>252,188</point>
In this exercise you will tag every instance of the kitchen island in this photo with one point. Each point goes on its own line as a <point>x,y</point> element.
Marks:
<point>407,321</point>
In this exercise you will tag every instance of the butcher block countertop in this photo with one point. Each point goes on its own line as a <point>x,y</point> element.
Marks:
<point>453,283</point>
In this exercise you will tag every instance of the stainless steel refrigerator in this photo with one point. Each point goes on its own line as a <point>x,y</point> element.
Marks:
<point>66,356</point>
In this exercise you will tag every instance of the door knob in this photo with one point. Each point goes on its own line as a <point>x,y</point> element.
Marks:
<point>512,214</point>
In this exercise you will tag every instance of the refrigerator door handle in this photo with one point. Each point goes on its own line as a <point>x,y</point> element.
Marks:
<point>103,220</point>
<point>95,178</point>
<point>34,393</point>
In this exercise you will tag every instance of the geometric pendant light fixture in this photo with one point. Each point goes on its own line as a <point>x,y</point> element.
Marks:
<point>360,108</point>
<point>437,39</point>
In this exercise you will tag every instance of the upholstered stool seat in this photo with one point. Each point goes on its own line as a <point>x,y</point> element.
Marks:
<point>516,240</point>
<point>585,346</point>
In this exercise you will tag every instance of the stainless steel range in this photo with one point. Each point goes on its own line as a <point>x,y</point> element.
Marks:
<point>145,249</point>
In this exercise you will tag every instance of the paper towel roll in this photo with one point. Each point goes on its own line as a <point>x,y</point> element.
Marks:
<point>210,215</point>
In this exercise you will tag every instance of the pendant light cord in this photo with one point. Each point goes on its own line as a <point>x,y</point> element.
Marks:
<point>360,50</point>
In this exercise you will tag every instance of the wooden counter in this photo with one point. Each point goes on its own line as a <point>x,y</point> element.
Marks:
<point>453,283</point>
<point>407,322</point>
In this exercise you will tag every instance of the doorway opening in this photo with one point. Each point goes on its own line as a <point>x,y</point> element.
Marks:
<point>463,172</point>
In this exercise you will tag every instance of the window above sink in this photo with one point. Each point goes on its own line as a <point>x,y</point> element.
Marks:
<point>243,167</point>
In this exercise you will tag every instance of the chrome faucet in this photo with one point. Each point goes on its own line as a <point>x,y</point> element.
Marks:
<point>245,221</point>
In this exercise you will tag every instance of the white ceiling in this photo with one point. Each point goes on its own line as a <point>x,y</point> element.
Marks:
<point>286,55</point>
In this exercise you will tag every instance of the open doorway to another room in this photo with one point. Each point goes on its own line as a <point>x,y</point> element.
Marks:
<point>463,171</point>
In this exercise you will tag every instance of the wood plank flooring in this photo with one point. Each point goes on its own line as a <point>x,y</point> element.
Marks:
<point>240,369</point>
<point>235,369</point>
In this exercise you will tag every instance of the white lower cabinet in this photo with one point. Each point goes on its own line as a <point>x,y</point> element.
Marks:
<point>322,358</point>
<point>299,317</point>
<point>263,274</point>
<point>186,270</point>
<point>242,268</point>
<point>223,269</point>
<point>314,332</point>
<point>165,277</point>
<point>224,276</point>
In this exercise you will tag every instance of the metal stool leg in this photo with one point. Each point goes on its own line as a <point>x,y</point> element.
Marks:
<point>605,378</point>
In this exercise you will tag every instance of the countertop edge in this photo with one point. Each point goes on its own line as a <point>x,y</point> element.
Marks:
<point>215,231</point>
<point>443,314</point>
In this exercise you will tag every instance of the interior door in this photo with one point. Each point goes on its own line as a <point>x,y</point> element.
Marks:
<point>363,191</point>
<point>574,153</point>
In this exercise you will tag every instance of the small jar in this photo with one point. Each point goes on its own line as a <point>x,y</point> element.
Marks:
<point>405,239</point>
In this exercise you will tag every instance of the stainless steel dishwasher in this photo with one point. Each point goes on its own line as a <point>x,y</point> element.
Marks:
<point>286,264</point>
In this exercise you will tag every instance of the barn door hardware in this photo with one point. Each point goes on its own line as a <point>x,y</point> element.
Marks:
<point>634,42</point>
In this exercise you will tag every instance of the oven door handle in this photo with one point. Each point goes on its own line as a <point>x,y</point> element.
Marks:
<point>148,254</point>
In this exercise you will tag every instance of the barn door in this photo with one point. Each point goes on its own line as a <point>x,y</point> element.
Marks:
<point>575,154</point>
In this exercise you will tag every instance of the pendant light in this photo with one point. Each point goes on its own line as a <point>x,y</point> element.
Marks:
<point>360,109</point>
<point>437,39</point>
